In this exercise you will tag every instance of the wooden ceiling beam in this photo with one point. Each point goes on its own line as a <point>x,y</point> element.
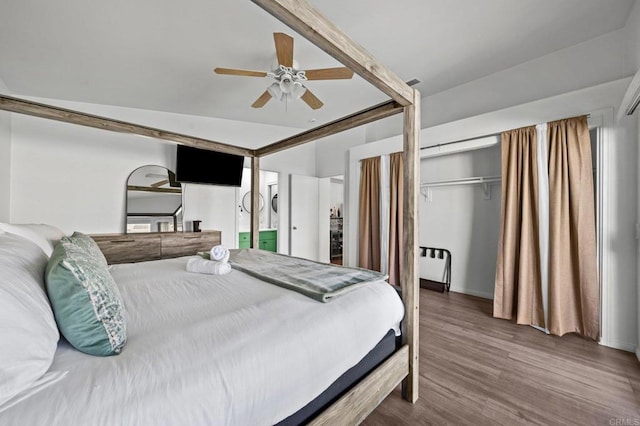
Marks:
<point>22,106</point>
<point>308,22</point>
<point>360,118</point>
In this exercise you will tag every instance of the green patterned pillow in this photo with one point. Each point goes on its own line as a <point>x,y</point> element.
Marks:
<point>85,300</point>
<point>85,244</point>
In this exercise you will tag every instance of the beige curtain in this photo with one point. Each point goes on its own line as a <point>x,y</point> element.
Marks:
<point>573,280</point>
<point>369,215</point>
<point>518,285</point>
<point>395,217</point>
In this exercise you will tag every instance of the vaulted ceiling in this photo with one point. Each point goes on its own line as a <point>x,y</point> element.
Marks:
<point>160,54</point>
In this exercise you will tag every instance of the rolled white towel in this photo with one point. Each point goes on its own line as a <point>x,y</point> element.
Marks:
<point>202,266</point>
<point>219,254</point>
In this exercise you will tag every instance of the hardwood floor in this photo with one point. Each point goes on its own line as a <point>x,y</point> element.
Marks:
<point>478,370</point>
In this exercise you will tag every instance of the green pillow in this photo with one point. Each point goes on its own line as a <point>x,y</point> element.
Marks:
<point>87,245</point>
<point>85,300</point>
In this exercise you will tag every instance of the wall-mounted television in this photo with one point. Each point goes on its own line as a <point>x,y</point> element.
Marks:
<point>195,165</point>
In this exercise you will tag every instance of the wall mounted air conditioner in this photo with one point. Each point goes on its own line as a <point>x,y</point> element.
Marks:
<point>459,146</point>
<point>631,98</point>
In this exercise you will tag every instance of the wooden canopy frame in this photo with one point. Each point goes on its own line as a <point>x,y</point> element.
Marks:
<point>402,366</point>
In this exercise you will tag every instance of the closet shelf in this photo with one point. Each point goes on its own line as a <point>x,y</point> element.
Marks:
<point>485,181</point>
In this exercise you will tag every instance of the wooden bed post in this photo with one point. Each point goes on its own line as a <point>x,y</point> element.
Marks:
<point>255,202</point>
<point>410,272</point>
<point>50,112</point>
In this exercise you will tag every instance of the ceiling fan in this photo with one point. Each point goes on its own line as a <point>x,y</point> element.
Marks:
<point>289,79</point>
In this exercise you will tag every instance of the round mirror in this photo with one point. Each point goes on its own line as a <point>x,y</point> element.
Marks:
<point>246,202</point>
<point>154,201</point>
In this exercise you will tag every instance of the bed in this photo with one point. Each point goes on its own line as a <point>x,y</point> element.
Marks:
<point>210,350</point>
<point>363,397</point>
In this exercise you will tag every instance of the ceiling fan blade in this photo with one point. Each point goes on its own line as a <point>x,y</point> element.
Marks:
<point>246,73</point>
<point>284,49</point>
<point>311,100</point>
<point>159,183</point>
<point>263,99</point>
<point>329,73</point>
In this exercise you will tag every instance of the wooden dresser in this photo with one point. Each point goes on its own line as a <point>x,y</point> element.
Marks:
<point>128,248</point>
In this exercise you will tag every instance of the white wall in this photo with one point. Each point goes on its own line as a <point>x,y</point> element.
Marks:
<point>460,219</point>
<point>632,28</point>
<point>331,152</point>
<point>74,177</point>
<point>215,206</point>
<point>5,160</point>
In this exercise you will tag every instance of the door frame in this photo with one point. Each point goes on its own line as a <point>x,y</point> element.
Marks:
<point>602,120</point>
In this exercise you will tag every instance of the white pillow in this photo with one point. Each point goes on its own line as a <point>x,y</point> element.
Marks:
<point>44,236</point>
<point>28,331</point>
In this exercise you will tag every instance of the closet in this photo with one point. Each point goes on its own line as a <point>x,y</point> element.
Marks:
<point>460,212</point>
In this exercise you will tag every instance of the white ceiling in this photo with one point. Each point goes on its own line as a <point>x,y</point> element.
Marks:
<point>159,54</point>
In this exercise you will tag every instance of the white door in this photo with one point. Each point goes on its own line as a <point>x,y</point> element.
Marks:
<point>303,216</point>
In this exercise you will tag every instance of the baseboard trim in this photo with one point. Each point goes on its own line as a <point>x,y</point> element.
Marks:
<point>623,346</point>
<point>472,292</point>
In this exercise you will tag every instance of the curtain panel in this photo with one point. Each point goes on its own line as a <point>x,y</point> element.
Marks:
<point>573,280</point>
<point>369,214</point>
<point>518,292</point>
<point>396,212</point>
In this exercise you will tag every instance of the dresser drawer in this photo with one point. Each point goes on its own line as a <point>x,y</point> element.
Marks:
<point>187,244</point>
<point>127,249</point>
<point>268,245</point>
<point>268,235</point>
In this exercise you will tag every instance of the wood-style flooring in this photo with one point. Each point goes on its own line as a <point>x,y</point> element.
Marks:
<point>478,370</point>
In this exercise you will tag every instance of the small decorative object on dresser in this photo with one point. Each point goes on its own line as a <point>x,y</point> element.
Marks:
<point>128,248</point>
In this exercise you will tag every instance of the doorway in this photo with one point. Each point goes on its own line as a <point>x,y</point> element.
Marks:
<point>336,219</point>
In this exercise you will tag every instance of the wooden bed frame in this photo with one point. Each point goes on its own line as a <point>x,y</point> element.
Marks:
<point>402,366</point>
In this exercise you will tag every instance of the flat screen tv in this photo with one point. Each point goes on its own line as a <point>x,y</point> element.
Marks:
<point>195,165</point>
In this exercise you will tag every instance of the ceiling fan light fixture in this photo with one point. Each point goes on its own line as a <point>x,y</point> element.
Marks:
<point>275,91</point>
<point>286,83</point>
<point>298,90</point>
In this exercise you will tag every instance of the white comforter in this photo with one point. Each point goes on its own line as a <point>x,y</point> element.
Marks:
<point>211,350</point>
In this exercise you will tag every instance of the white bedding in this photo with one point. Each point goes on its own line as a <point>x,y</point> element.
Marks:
<point>211,350</point>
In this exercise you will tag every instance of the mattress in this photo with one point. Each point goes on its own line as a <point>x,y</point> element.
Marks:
<point>211,350</point>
